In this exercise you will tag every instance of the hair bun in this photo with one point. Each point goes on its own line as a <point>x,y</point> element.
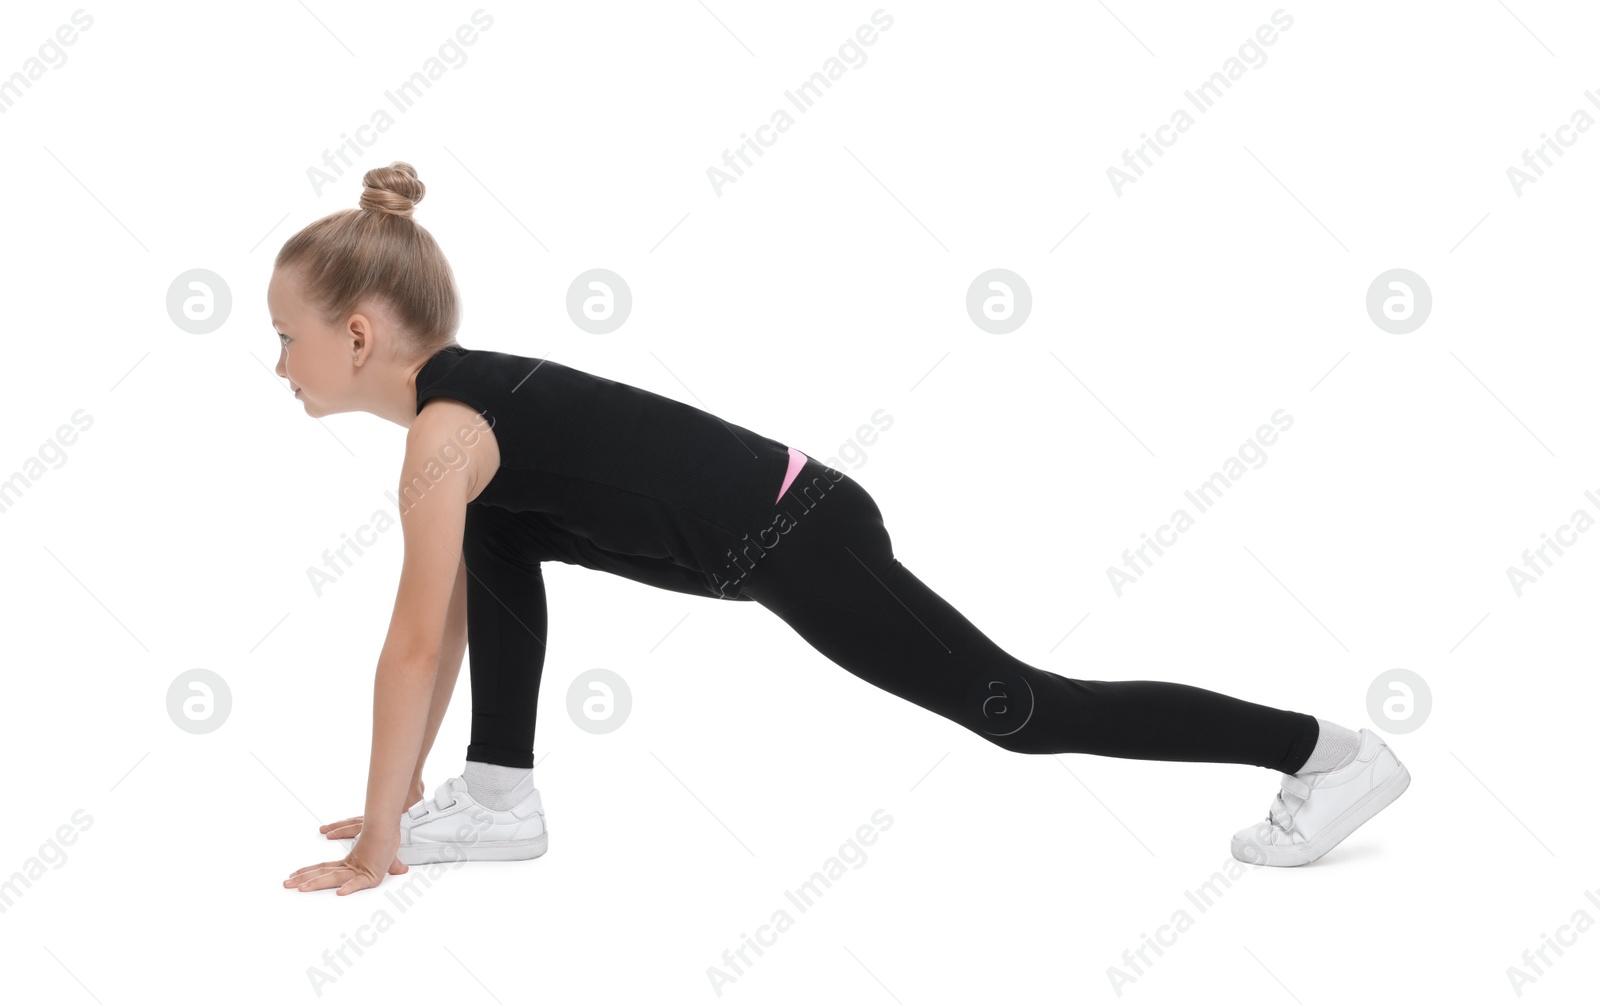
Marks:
<point>393,190</point>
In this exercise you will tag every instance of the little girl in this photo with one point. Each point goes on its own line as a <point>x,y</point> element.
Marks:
<point>512,461</point>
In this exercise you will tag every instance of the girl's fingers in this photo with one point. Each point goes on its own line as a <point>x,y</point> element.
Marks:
<point>302,874</point>
<point>322,882</point>
<point>303,870</point>
<point>340,823</point>
<point>360,882</point>
<point>337,831</point>
<point>347,874</point>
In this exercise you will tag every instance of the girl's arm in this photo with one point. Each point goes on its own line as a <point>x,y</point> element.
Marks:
<point>433,520</point>
<point>453,649</point>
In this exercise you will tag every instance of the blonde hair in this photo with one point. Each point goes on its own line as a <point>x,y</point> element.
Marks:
<point>379,251</point>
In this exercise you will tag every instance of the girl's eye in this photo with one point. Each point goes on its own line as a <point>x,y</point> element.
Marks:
<point>284,337</point>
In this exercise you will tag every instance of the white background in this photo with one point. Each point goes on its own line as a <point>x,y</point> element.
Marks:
<point>1168,323</point>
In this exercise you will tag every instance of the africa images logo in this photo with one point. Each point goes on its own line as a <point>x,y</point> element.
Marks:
<point>1001,702</point>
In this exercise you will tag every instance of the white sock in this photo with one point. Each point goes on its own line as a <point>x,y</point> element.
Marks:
<point>1336,747</point>
<point>497,786</point>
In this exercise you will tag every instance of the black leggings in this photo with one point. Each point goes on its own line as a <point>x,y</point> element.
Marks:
<point>829,572</point>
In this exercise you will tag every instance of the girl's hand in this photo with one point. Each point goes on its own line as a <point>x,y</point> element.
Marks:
<point>364,867</point>
<point>349,827</point>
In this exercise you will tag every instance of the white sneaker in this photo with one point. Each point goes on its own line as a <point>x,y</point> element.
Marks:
<point>1316,810</point>
<point>452,827</point>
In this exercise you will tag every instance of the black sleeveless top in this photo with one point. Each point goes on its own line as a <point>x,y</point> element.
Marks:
<point>636,473</point>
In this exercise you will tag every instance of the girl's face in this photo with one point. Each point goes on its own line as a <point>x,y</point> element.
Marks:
<point>315,358</point>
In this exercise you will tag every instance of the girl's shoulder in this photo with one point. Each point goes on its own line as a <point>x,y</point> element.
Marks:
<point>450,435</point>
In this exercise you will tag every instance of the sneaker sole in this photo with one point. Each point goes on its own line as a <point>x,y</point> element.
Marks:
<point>482,851</point>
<point>1360,812</point>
